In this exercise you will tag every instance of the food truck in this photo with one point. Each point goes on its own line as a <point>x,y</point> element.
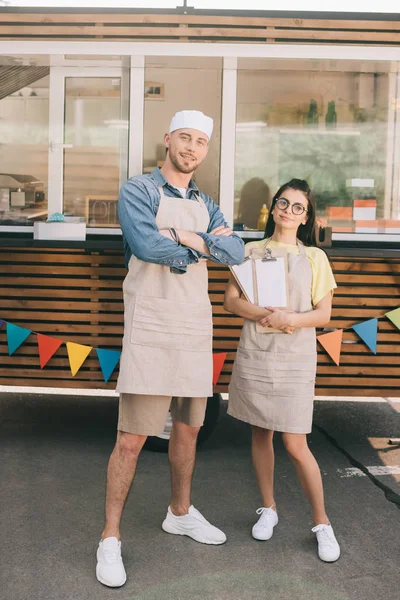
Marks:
<point>85,97</point>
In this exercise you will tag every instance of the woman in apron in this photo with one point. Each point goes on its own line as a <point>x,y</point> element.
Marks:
<point>273,377</point>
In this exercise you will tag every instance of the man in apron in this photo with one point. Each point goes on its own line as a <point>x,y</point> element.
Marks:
<point>170,229</point>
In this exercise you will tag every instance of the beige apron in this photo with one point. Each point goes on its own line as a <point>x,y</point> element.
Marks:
<point>167,345</point>
<point>273,377</point>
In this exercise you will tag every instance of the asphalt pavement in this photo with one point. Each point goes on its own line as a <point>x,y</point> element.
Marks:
<point>54,452</point>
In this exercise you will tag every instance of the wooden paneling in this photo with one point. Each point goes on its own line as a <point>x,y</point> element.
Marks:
<point>196,27</point>
<point>76,294</point>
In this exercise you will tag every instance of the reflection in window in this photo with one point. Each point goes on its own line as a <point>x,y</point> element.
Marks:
<point>182,83</point>
<point>94,133</point>
<point>326,122</point>
<point>24,120</point>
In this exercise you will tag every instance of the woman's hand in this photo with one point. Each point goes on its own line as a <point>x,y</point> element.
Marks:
<point>287,329</point>
<point>277,319</point>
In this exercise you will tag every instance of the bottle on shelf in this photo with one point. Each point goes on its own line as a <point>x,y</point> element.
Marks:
<point>263,218</point>
<point>312,115</point>
<point>331,116</point>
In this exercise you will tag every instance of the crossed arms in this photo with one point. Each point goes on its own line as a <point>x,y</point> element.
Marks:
<point>144,240</point>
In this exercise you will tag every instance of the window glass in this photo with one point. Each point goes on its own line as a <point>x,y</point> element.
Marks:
<point>182,83</point>
<point>329,122</point>
<point>24,125</point>
<point>94,131</point>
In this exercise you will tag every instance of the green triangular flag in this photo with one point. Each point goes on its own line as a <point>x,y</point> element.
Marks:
<point>394,316</point>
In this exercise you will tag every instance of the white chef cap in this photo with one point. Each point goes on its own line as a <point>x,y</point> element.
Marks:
<point>192,119</point>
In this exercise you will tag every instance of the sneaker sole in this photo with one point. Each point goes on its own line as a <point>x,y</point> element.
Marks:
<point>261,539</point>
<point>168,528</point>
<point>102,581</point>
<point>331,560</point>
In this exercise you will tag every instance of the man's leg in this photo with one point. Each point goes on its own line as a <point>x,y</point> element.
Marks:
<point>182,456</point>
<point>120,474</point>
<point>182,518</point>
<point>139,416</point>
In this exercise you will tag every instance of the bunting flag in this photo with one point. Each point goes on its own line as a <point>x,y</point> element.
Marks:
<point>16,336</point>
<point>77,354</point>
<point>108,360</point>
<point>47,347</point>
<point>331,342</point>
<point>368,332</point>
<point>218,362</point>
<point>394,316</point>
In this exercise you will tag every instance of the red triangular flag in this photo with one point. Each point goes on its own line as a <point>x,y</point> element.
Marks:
<point>218,363</point>
<point>47,347</point>
<point>332,343</point>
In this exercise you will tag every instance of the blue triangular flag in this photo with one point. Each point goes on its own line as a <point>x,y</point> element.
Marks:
<point>108,360</point>
<point>16,336</point>
<point>368,331</point>
<point>1,323</point>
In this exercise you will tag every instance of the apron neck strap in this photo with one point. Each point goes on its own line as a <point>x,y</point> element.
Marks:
<point>200,200</point>
<point>300,246</point>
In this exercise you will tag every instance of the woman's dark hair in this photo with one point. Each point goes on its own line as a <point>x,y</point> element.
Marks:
<point>305,233</point>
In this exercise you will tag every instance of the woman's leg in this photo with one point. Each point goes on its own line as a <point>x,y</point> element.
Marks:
<point>263,461</point>
<point>308,473</point>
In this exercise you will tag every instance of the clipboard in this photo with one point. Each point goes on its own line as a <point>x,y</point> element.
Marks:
<point>271,282</point>
<point>244,275</point>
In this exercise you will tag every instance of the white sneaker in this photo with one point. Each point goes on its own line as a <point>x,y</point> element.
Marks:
<point>328,547</point>
<point>110,569</point>
<point>194,525</point>
<point>264,528</point>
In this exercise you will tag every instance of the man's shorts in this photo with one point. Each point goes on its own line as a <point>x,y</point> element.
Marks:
<point>146,415</point>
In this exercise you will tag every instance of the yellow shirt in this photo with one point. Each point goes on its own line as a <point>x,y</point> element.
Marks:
<point>323,281</point>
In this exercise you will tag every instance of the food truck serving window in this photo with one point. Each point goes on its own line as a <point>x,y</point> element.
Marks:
<point>24,139</point>
<point>331,122</point>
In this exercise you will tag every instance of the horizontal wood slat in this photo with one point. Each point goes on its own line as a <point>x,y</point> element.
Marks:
<point>192,19</point>
<point>196,27</point>
<point>198,33</point>
<point>76,294</point>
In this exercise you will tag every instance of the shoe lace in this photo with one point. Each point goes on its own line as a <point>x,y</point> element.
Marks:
<point>324,536</point>
<point>265,512</point>
<point>111,555</point>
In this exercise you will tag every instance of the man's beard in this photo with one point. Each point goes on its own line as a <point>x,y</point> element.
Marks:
<point>186,169</point>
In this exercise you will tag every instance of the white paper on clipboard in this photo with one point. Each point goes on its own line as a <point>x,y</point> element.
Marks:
<point>271,282</point>
<point>244,276</point>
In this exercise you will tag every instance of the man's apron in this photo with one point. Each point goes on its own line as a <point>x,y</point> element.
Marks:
<point>167,344</point>
<point>273,377</point>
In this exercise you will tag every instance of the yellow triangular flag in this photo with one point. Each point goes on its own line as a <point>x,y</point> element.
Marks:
<point>332,343</point>
<point>77,354</point>
<point>394,316</point>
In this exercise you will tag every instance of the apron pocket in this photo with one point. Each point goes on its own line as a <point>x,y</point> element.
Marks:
<point>167,324</point>
<point>276,367</point>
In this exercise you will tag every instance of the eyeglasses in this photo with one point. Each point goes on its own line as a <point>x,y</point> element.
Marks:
<point>297,208</point>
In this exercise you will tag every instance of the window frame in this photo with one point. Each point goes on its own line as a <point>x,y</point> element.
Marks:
<point>133,57</point>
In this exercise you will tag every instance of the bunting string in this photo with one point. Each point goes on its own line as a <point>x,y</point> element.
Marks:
<point>367,331</point>
<point>78,353</point>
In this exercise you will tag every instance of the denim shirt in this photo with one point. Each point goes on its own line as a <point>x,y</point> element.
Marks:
<point>138,205</point>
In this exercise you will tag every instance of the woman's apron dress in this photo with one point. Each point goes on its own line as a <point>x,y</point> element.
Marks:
<point>273,377</point>
<point>167,344</point>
